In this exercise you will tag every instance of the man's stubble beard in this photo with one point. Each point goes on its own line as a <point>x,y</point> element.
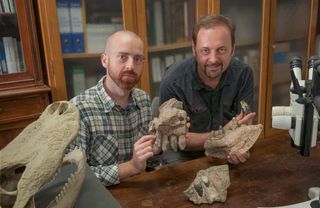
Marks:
<point>213,75</point>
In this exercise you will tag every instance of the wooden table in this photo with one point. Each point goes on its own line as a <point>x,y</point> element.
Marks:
<point>275,175</point>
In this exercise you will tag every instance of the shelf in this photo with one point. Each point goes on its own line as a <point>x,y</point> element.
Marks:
<point>247,43</point>
<point>81,55</point>
<point>166,47</point>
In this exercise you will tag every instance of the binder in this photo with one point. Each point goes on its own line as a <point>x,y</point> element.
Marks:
<point>3,64</point>
<point>64,25</point>
<point>78,79</point>
<point>10,55</point>
<point>77,26</point>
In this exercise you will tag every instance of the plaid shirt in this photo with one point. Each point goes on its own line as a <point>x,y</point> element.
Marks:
<point>108,132</point>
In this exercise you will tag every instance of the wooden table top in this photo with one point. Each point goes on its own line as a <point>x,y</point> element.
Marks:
<point>275,175</point>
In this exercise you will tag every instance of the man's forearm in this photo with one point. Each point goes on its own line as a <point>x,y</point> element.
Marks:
<point>127,169</point>
<point>195,141</point>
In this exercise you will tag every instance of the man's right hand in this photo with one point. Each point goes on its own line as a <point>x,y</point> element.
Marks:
<point>143,149</point>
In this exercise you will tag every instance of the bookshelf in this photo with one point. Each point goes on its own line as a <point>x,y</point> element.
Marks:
<point>268,35</point>
<point>95,21</point>
<point>169,32</point>
<point>165,27</point>
<point>23,94</point>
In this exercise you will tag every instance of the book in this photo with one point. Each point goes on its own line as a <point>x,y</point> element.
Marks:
<point>16,54</point>
<point>21,66</point>
<point>97,34</point>
<point>185,18</point>
<point>1,7</point>
<point>12,6</point>
<point>169,59</point>
<point>3,64</point>
<point>191,17</point>
<point>178,21</point>
<point>76,26</point>
<point>10,55</point>
<point>188,55</point>
<point>158,22</point>
<point>150,23</point>
<point>167,16</point>
<point>178,57</point>
<point>6,7</point>
<point>78,79</point>
<point>156,69</point>
<point>64,25</point>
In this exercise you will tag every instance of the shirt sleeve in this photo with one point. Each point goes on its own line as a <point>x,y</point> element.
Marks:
<point>107,174</point>
<point>246,88</point>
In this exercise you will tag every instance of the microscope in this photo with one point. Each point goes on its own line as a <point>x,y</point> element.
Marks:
<point>301,117</point>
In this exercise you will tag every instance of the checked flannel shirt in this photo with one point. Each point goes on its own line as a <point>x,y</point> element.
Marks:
<point>108,132</point>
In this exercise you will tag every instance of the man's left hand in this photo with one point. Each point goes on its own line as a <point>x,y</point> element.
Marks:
<point>238,157</point>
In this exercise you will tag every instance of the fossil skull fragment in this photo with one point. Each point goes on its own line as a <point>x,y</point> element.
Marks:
<point>35,156</point>
<point>210,185</point>
<point>236,138</point>
<point>170,127</point>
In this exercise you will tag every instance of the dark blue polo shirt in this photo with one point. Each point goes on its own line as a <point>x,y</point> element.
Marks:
<point>208,108</point>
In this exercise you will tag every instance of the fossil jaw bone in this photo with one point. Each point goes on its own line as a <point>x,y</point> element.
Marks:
<point>32,159</point>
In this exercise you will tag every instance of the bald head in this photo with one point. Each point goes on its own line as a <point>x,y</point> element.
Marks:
<point>121,36</point>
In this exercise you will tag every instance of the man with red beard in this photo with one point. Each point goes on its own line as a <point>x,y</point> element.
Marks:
<point>114,116</point>
<point>211,85</point>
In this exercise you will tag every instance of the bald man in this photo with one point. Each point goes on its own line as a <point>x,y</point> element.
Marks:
<point>114,115</point>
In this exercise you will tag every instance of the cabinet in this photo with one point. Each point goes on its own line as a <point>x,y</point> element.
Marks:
<point>266,38</point>
<point>23,94</point>
<point>71,72</point>
<point>268,34</point>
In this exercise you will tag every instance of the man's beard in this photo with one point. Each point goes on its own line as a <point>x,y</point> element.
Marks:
<point>123,81</point>
<point>214,74</point>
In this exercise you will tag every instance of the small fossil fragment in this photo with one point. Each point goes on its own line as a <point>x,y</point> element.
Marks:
<point>245,107</point>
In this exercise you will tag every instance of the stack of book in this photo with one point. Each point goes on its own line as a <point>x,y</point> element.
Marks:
<point>11,58</point>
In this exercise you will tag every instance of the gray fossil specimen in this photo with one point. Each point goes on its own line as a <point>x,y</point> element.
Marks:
<point>210,185</point>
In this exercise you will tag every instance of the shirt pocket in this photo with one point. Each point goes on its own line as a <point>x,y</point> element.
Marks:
<point>104,149</point>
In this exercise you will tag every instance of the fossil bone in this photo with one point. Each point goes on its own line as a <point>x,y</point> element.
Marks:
<point>170,127</point>
<point>236,138</point>
<point>245,107</point>
<point>35,156</point>
<point>210,185</point>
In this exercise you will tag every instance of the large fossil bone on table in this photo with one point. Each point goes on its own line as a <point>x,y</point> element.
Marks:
<point>170,127</point>
<point>210,185</point>
<point>235,138</point>
<point>36,155</point>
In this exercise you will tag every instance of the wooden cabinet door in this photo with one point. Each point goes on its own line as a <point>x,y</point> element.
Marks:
<point>291,26</point>
<point>20,55</point>
<point>249,42</point>
<point>169,26</point>
<point>268,34</point>
<point>23,94</point>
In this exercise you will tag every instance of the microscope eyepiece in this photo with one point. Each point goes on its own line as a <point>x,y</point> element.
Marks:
<point>317,66</point>
<point>312,61</point>
<point>295,62</point>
